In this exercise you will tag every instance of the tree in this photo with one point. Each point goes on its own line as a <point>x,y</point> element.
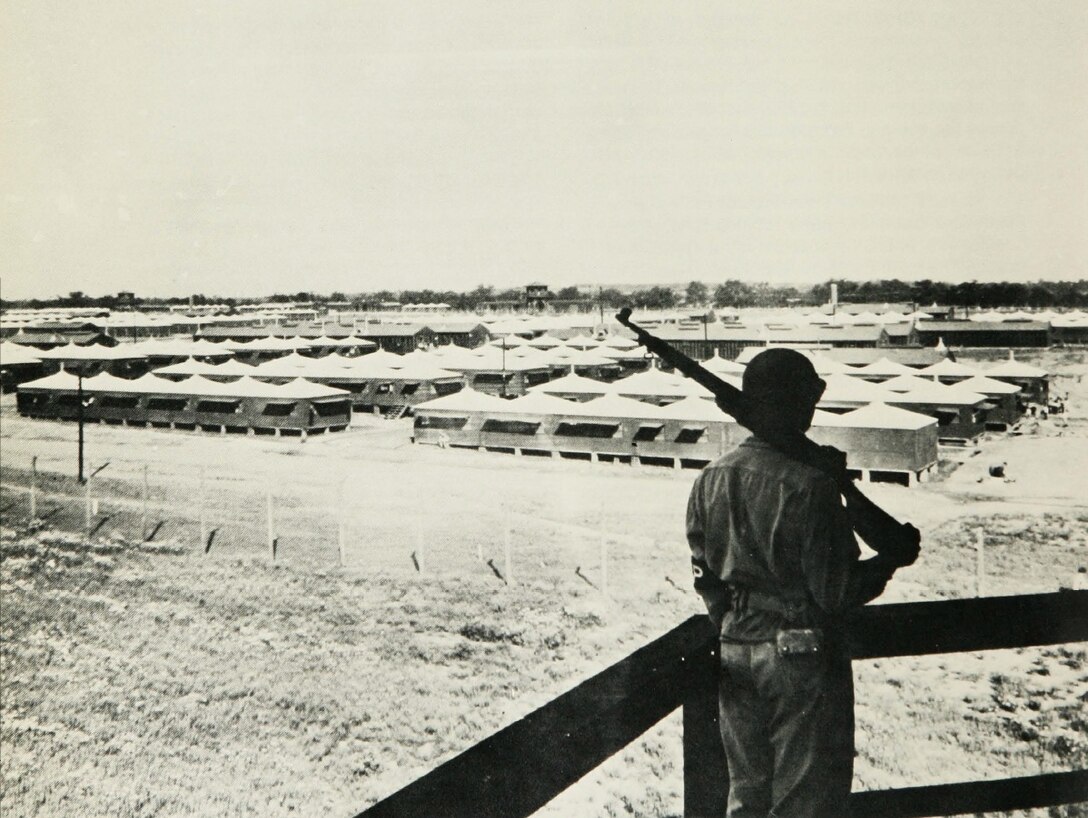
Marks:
<point>696,293</point>
<point>569,294</point>
<point>733,293</point>
<point>655,298</point>
<point>612,298</point>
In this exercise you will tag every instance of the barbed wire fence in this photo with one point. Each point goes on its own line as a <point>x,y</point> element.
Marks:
<point>216,514</point>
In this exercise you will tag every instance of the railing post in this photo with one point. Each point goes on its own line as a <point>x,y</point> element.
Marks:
<point>34,489</point>
<point>706,776</point>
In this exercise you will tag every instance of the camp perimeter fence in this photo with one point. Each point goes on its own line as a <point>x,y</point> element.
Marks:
<point>217,514</point>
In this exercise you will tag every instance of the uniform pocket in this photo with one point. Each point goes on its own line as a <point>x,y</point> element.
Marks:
<point>801,673</point>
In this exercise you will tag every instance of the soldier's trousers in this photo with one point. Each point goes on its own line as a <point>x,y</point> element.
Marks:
<point>787,724</point>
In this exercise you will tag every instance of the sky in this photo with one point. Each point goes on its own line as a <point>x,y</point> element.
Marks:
<point>259,146</point>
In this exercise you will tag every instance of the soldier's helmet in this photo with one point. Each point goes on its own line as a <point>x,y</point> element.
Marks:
<point>782,380</point>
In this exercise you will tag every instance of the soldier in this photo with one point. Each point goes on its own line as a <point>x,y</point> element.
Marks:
<point>777,564</point>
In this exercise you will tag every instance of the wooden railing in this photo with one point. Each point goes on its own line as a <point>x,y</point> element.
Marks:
<point>517,770</point>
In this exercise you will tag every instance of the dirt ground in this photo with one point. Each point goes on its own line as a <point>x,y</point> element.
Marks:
<point>467,591</point>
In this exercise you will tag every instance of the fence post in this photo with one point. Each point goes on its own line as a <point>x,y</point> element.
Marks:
<point>604,561</point>
<point>143,510</point>
<point>980,560</point>
<point>706,774</point>
<point>33,488</point>
<point>508,568</point>
<point>200,504</point>
<point>271,529</point>
<point>87,509</point>
<point>341,521</point>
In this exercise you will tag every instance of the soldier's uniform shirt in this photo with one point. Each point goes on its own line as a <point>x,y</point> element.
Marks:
<point>758,519</point>
<point>775,528</point>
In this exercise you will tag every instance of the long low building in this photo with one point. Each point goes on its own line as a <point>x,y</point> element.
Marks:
<point>246,406</point>
<point>19,364</point>
<point>882,442</point>
<point>965,333</point>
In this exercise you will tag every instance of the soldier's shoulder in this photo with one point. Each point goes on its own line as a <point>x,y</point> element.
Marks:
<point>756,456</point>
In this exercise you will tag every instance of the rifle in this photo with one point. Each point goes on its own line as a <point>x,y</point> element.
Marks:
<point>896,542</point>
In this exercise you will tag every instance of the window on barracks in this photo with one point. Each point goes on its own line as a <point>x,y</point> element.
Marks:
<point>596,430</point>
<point>166,404</point>
<point>25,401</point>
<point>219,407</point>
<point>332,408</point>
<point>383,389</point>
<point>278,410</point>
<point>448,388</point>
<point>691,434</point>
<point>409,388</point>
<point>119,402</point>
<point>647,433</point>
<point>491,378</point>
<point>511,427</point>
<point>533,378</point>
<point>68,400</point>
<point>439,422</point>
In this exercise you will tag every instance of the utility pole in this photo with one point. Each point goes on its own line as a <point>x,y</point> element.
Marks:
<point>79,398</point>
<point>504,366</point>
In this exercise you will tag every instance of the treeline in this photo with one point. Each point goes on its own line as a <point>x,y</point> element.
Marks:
<point>985,294</point>
<point>731,293</point>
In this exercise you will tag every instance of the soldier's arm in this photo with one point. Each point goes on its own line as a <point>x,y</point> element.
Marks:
<point>837,577</point>
<point>714,592</point>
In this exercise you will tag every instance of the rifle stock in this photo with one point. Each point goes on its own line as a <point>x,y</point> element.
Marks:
<point>887,536</point>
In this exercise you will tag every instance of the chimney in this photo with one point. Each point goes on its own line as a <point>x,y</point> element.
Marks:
<point>834,297</point>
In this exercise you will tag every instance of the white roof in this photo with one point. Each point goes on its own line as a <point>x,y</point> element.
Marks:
<point>537,357</point>
<point>937,394</point>
<point>723,366</point>
<point>383,357</point>
<point>268,344</point>
<point>822,418</point>
<point>881,416</point>
<point>847,389</point>
<point>509,341</point>
<point>654,382</point>
<point>692,408</point>
<point>894,317</point>
<point>424,371</point>
<point>490,359</point>
<point>582,342</point>
<point>16,354</point>
<point>574,357</point>
<point>906,383</point>
<point>197,385</point>
<point>988,386</point>
<point>883,367</point>
<point>633,354</point>
<point>829,366</point>
<point>190,366</point>
<point>572,385</point>
<point>545,342</point>
<point>540,403</point>
<point>615,406</point>
<point>1014,369</point>
<point>949,368</point>
<point>179,347</point>
<point>466,400</point>
<point>327,341</point>
<point>73,352</point>
<point>619,342</point>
